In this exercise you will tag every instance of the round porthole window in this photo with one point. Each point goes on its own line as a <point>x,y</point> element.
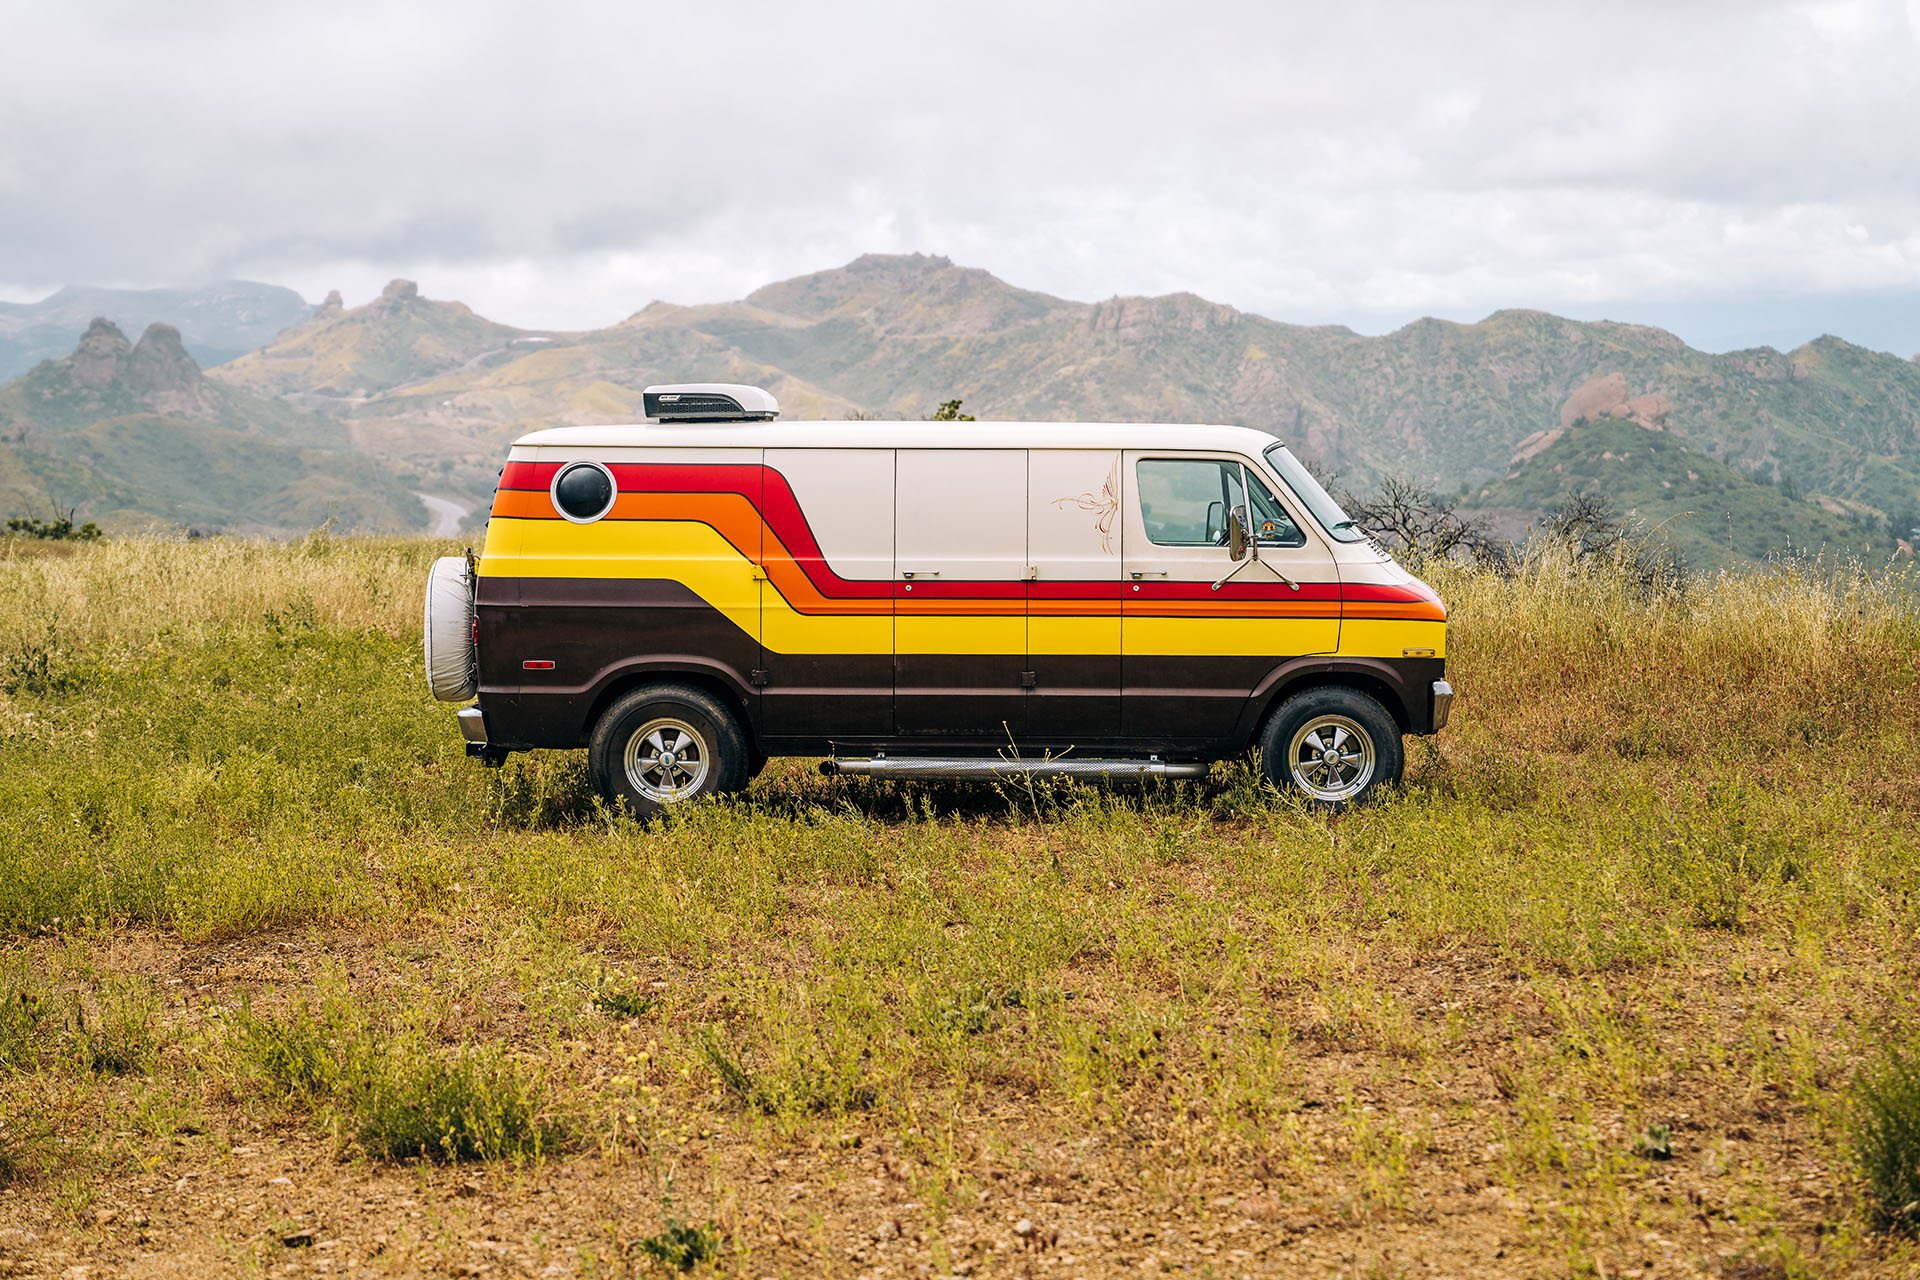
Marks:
<point>583,491</point>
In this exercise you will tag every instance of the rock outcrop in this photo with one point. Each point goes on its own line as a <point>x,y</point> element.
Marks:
<point>1606,397</point>
<point>101,358</point>
<point>163,376</point>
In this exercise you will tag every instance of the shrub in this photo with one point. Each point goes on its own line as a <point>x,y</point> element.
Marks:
<point>1886,1138</point>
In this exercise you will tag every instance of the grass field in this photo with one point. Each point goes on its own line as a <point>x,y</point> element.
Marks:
<point>288,985</point>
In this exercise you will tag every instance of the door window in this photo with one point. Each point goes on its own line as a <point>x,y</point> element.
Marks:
<point>1184,503</point>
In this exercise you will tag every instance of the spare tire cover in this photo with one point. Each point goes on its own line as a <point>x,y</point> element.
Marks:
<point>449,630</point>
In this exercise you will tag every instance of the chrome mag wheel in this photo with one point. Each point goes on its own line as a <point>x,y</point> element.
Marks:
<point>1331,758</point>
<point>666,761</point>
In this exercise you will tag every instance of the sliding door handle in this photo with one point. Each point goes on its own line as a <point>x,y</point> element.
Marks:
<point>1137,574</point>
<point>914,575</point>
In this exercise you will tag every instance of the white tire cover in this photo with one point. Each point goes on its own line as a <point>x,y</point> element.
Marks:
<point>449,630</point>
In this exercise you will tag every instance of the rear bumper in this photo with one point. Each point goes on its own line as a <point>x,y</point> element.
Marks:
<point>1442,704</point>
<point>473,726</point>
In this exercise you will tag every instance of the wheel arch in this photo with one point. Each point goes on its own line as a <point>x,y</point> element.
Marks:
<point>712,680</point>
<point>1377,680</point>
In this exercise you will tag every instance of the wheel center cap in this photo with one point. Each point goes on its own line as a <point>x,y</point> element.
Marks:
<point>666,758</point>
<point>1328,757</point>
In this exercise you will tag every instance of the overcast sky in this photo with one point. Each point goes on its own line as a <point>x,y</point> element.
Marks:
<point>1739,171</point>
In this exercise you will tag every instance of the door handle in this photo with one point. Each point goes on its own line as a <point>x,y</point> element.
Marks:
<point>1138,574</point>
<point>911,574</point>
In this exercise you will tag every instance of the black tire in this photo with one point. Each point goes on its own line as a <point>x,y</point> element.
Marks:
<point>705,751</point>
<point>1301,730</point>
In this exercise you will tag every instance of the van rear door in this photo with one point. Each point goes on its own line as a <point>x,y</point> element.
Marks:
<point>1193,651</point>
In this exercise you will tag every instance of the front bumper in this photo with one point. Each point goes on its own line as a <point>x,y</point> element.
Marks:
<point>1442,704</point>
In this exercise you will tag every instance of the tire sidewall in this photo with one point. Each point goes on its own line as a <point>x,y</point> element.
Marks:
<point>718,731</point>
<point>1389,752</point>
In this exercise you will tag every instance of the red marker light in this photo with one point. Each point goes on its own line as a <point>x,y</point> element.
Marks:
<point>537,664</point>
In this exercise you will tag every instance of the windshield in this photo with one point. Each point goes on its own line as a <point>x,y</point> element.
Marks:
<point>1318,500</point>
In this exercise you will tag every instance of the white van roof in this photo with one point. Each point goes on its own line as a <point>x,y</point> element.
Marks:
<point>904,435</point>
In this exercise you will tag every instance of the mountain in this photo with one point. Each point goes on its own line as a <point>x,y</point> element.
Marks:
<point>430,385</point>
<point>132,433</point>
<point>216,323</point>
<point>398,339</point>
<point>1716,516</point>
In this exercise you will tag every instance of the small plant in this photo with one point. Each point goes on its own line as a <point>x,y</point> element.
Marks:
<point>1655,1142</point>
<point>474,1106</point>
<point>616,1000</point>
<point>680,1245</point>
<point>1886,1139</point>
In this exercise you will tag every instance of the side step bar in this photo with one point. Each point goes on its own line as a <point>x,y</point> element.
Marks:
<point>881,766</point>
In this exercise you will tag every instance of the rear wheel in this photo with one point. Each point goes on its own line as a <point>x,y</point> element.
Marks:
<point>1334,745</point>
<point>664,745</point>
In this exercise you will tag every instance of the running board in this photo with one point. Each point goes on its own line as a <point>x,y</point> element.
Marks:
<point>989,767</point>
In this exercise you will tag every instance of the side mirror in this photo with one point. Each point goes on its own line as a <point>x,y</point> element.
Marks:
<point>1237,540</point>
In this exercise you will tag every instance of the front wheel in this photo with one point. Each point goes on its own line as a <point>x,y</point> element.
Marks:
<point>664,745</point>
<point>1334,745</point>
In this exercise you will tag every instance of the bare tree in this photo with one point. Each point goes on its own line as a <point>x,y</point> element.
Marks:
<point>1412,521</point>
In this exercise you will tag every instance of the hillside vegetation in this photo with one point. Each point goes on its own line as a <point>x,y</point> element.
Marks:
<point>284,969</point>
<point>1715,516</point>
<point>133,434</point>
<point>1445,404</point>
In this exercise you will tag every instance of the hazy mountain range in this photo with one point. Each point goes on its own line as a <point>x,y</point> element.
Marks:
<point>1823,440</point>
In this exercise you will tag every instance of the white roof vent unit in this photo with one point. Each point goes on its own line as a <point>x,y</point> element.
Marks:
<point>709,402</point>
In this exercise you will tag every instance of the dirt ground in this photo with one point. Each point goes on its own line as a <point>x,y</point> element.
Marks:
<point>1022,1187</point>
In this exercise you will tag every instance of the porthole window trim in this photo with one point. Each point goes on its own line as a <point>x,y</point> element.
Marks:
<point>553,491</point>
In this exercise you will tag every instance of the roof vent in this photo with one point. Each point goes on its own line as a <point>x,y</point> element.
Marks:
<point>709,402</point>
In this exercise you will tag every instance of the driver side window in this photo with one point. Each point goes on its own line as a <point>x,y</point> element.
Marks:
<point>1184,503</point>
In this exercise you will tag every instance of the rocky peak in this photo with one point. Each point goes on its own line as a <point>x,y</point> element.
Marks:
<point>102,356</point>
<point>400,292</point>
<point>332,307</point>
<point>162,373</point>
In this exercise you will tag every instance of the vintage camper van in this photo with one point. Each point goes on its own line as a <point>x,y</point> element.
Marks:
<point>687,597</point>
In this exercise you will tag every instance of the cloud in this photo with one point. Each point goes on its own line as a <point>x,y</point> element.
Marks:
<point>564,164</point>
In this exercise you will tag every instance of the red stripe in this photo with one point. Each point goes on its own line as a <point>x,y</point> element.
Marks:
<point>770,493</point>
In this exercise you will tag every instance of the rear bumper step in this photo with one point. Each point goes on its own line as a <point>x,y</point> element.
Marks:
<point>987,767</point>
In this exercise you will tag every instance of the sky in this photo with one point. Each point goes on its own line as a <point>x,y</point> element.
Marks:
<point>1743,172</point>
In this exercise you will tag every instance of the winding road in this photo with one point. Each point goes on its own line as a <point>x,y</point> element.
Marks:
<point>447,514</point>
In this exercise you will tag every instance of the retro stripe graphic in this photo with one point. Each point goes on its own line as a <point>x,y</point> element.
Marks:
<point>716,523</point>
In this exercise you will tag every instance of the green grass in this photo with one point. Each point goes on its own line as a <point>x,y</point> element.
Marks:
<point>1650,881</point>
<point>1886,1138</point>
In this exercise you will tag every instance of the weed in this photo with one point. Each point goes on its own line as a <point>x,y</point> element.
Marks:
<point>681,1246</point>
<point>1886,1138</point>
<point>399,1096</point>
<point>1655,1142</point>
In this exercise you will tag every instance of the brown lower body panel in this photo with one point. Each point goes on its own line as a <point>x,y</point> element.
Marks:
<point>605,634</point>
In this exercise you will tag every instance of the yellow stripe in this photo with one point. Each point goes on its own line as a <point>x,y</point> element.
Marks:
<point>1388,637</point>
<point>696,555</point>
<point>1229,637</point>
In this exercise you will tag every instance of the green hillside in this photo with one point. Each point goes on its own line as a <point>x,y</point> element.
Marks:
<point>129,434</point>
<point>397,339</point>
<point>1713,514</point>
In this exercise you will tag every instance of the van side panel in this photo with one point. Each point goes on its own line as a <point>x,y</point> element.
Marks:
<point>828,678</point>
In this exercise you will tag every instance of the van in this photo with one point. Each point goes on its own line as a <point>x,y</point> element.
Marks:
<point>688,597</point>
